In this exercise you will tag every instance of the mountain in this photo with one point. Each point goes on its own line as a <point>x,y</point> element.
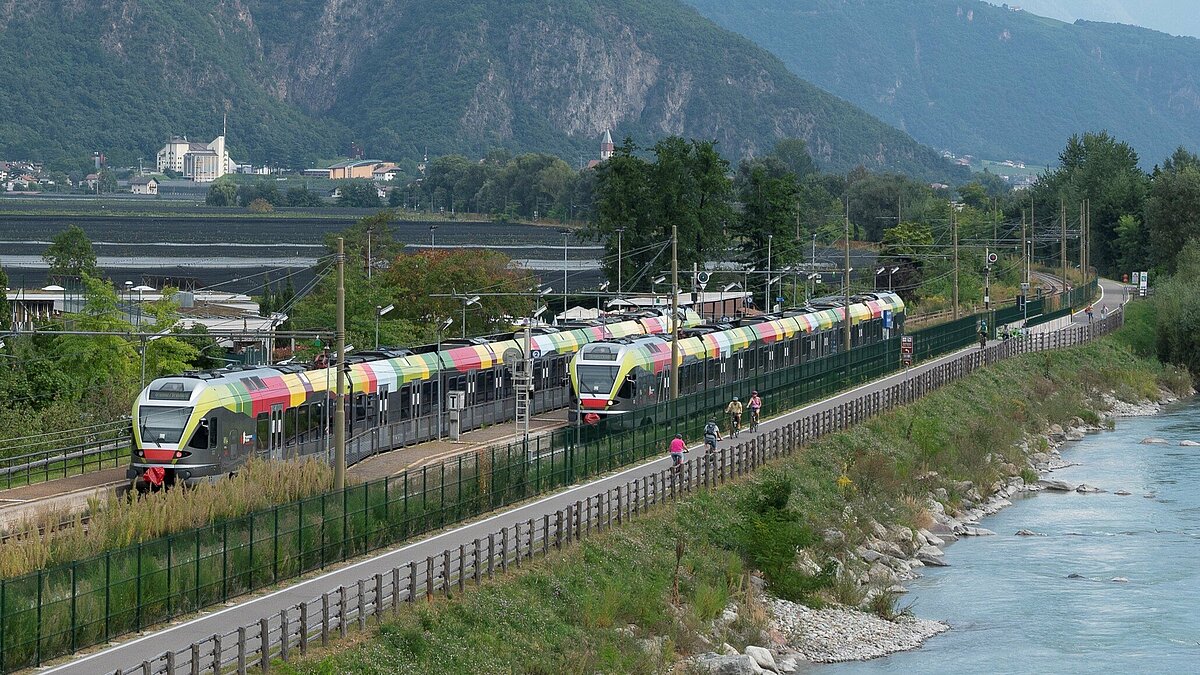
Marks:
<point>1169,16</point>
<point>975,78</point>
<point>303,79</point>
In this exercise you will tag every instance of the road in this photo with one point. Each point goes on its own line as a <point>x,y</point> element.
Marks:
<point>179,636</point>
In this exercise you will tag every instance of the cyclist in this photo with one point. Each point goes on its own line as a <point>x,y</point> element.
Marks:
<point>678,447</point>
<point>734,410</point>
<point>755,405</point>
<point>712,434</point>
<point>1088,311</point>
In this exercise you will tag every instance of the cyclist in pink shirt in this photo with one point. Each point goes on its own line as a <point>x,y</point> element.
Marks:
<point>678,447</point>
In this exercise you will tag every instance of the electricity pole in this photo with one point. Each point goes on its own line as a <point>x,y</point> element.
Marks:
<point>339,419</point>
<point>1062,244</point>
<point>1082,245</point>
<point>846,311</point>
<point>954,227</point>
<point>767,291</point>
<point>1024,250</point>
<point>674,312</point>
<point>1032,235</point>
<point>619,289</point>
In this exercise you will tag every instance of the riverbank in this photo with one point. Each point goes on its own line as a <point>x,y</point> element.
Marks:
<point>708,575</point>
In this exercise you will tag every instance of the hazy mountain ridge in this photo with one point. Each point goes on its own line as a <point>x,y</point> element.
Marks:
<point>972,77</point>
<point>300,80</point>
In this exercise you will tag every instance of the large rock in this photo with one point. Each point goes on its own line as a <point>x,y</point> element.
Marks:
<point>1123,493</point>
<point>1076,435</point>
<point>1154,440</point>
<point>972,531</point>
<point>1056,485</point>
<point>789,664</point>
<point>932,539</point>
<point>1029,533</point>
<point>728,665</point>
<point>763,657</point>
<point>1189,444</point>
<point>1088,489</point>
<point>931,560</point>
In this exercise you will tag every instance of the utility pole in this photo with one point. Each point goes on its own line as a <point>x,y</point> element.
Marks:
<point>1062,244</point>
<point>1083,244</point>
<point>1024,258</point>
<point>767,290</point>
<point>846,310</point>
<point>1087,239</point>
<point>368,254</point>
<point>566,235</point>
<point>954,227</point>
<point>619,288</point>
<point>1032,235</point>
<point>339,418</point>
<point>674,312</point>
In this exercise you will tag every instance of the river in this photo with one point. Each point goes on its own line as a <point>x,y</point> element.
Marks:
<point>1009,602</point>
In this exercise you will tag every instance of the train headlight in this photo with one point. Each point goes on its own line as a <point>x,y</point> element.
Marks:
<point>612,402</point>
<point>139,453</point>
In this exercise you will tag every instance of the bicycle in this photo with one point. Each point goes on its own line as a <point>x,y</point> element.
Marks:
<point>735,424</point>
<point>753,420</point>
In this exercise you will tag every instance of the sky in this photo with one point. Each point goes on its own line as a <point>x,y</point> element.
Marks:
<point>1177,17</point>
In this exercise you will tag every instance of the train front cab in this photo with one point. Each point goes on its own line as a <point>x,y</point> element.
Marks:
<point>170,443</point>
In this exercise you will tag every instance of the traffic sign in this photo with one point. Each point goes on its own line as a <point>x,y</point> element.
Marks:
<point>906,350</point>
<point>992,258</point>
<point>887,319</point>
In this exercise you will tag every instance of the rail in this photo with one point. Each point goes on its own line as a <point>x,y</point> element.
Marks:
<point>74,605</point>
<point>294,630</point>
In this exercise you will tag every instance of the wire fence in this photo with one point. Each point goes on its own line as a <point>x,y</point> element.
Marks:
<point>292,631</point>
<point>62,609</point>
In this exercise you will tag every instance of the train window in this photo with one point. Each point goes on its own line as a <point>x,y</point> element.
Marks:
<point>201,438</point>
<point>628,388</point>
<point>214,436</point>
<point>360,408</point>
<point>316,418</point>
<point>291,426</point>
<point>303,424</point>
<point>263,433</point>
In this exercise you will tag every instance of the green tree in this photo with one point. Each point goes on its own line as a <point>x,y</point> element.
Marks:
<point>358,194</point>
<point>106,181</point>
<point>70,254</point>
<point>686,187</point>
<point>793,152</point>
<point>768,193</point>
<point>1177,311</point>
<point>221,193</point>
<point>302,196</point>
<point>1172,209</point>
<point>1104,170</point>
<point>1130,247</point>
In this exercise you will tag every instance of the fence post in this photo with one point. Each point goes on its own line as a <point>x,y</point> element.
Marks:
<point>429,578</point>
<point>412,582</point>
<point>343,614</point>
<point>475,567</point>
<point>546,534</point>
<point>529,548</point>
<point>362,605</point>
<point>491,564</point>
<point>504,550</point>
<point>284,634</point>
<point>462,567</point>
<point>558,529</point>
<point>217,652</point>
<point>264,635</point>
<point>446,572</point>
<point>303,628</point>
<point>618,489</point>
<point>241,650</point>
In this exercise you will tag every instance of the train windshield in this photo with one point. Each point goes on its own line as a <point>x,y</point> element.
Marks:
<point>596,379</point>
<point>160,424</point>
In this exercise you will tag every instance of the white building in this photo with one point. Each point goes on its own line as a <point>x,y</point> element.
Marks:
<point>142,185</point>
<point>201,162</point>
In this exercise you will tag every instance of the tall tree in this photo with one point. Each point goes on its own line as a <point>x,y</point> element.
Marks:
<point>359,194</point>
<point>70,254</point>
<point>1104,170</point>
<point>768,192</point>
<point>5,311</point>
<point>1173,208</point>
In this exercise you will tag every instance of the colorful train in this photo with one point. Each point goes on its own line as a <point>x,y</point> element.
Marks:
<point>201,425</point>
<point>617,377</point>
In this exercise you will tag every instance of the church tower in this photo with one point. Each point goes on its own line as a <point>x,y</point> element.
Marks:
<point>606,146</point>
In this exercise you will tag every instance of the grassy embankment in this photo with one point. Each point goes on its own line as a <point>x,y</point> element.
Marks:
<point>115,523</point>
<point>563,615</point>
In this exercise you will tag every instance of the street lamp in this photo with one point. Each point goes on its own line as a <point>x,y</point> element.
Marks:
<point>654,286</point>
<point>467,302</point>
<point>619,287</point>
<point>603,287</point>
<point>440,329</point>
<point>770,301</point>
<point>566,235</point>
<point>879,271</point>
<point>379,312</point>
<point>431,229</point>
<point>812,287</point>
<point>128,291</point>
<point>890,273</point>
<point>141,289</point>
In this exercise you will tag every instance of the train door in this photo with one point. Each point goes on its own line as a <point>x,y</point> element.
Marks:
<point>383,405</point>
<point>276,442</point>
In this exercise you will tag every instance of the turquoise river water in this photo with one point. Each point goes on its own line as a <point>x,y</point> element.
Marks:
<point>1009,602</point>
